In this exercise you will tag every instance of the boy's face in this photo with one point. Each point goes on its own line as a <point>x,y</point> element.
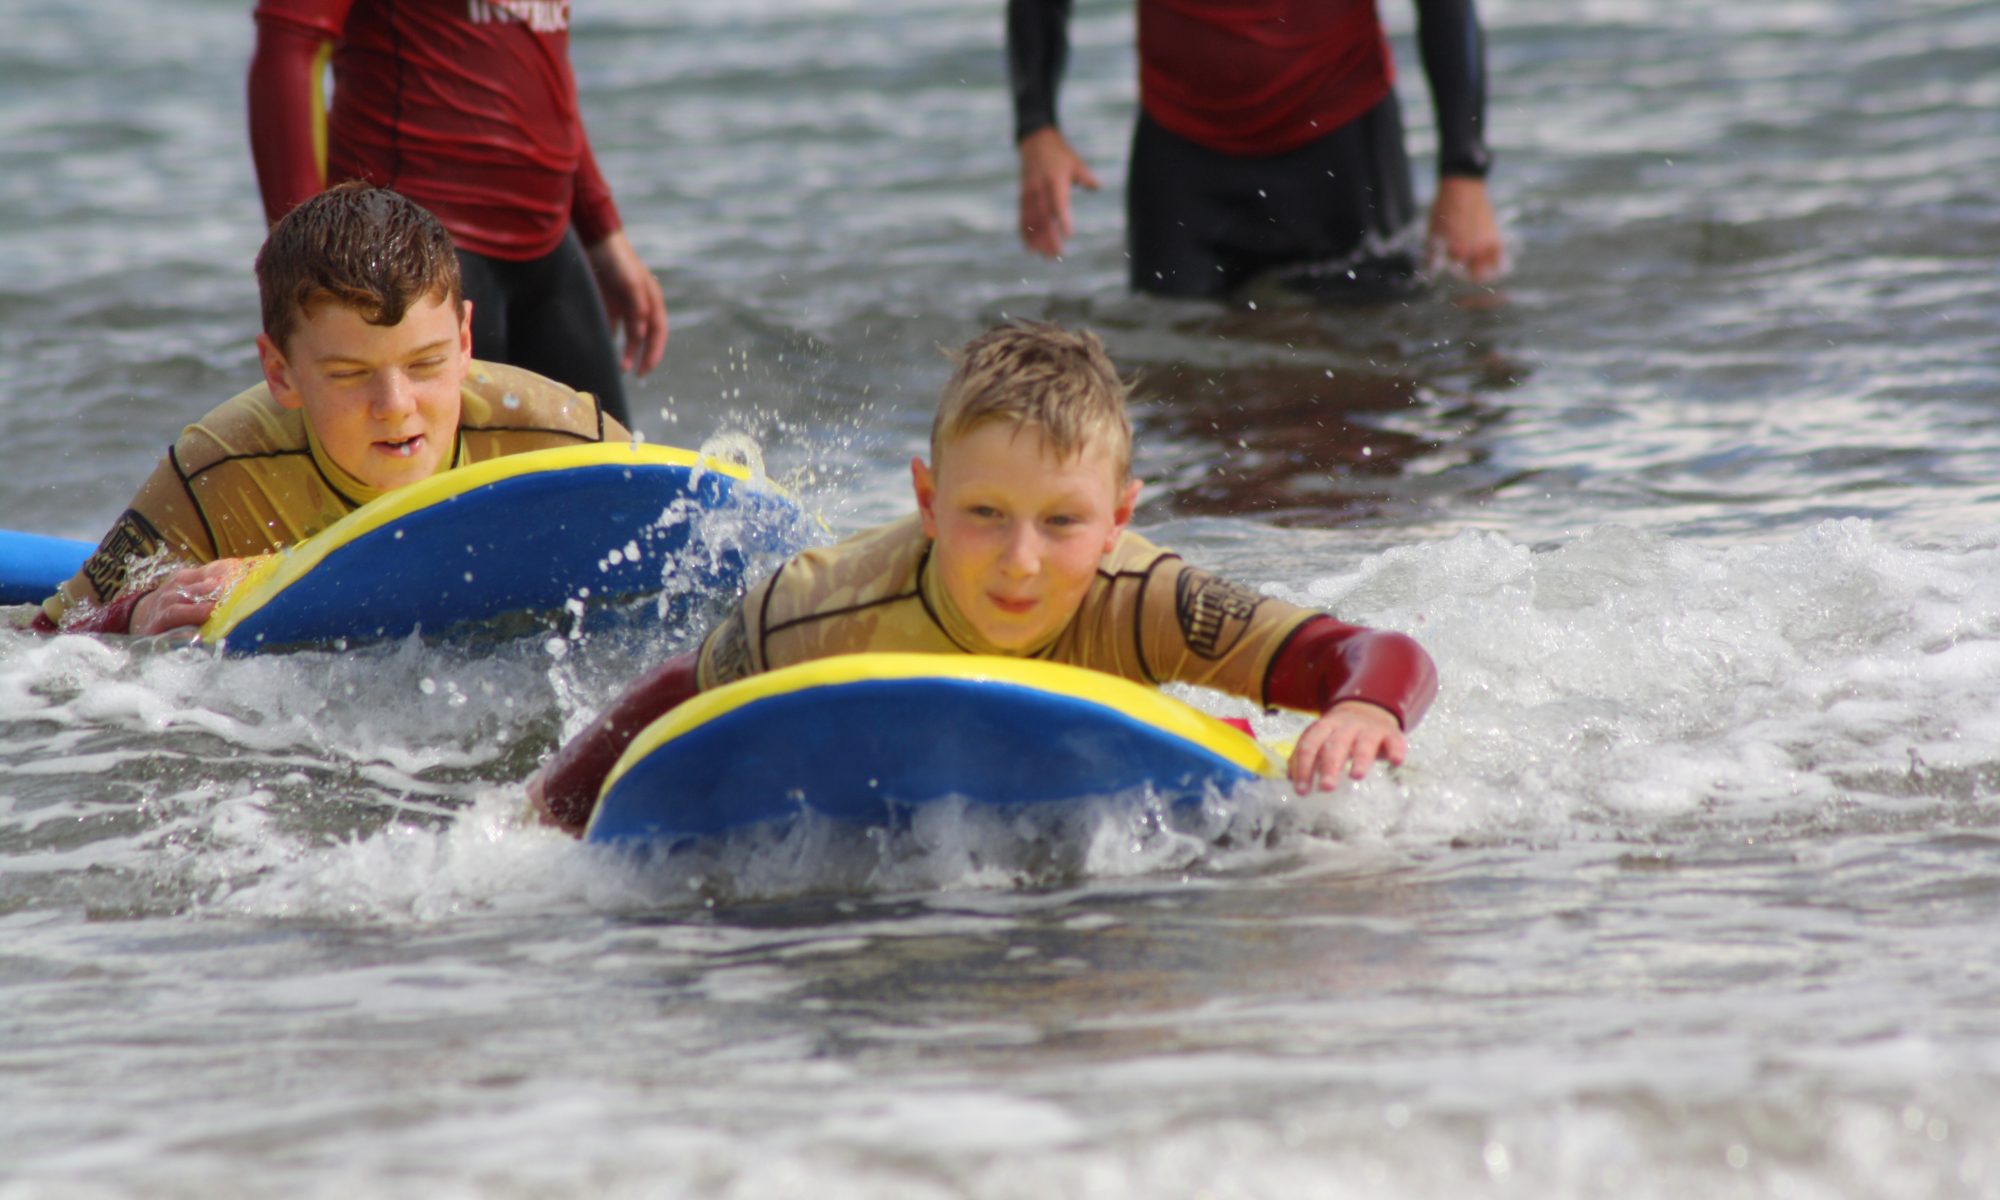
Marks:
<point>1018,535</point>
<point>383,400</point>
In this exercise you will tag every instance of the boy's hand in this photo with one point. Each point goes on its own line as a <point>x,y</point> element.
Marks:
<point>1351,734</point>
<point>185,598</point>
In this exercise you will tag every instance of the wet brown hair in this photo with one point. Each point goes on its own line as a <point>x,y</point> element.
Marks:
<point>1032,373</point>
<point>363,247</point>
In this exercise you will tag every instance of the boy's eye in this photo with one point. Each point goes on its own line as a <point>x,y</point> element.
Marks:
<point>983,511</point>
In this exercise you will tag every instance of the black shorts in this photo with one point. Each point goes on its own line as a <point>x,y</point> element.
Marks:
<point>1202,224</point>
<point>545,314</point>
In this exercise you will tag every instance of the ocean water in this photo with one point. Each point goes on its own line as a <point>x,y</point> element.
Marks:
<point>1688,889</point>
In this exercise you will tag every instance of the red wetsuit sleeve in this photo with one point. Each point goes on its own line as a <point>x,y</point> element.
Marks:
<point>1327,661</point>
<point>572,779</point>
<point>282,100</point>
<point>592,211</point>
<point>115,617</point>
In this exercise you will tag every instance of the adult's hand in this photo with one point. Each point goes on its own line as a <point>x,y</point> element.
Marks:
<point>632,299</point>
<point>1463,233</point>
<point>185,598</point>
<point>1352,735</point>
<point>1049,169</point>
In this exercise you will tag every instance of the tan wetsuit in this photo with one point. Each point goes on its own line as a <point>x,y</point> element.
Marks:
<point>1148,616</point>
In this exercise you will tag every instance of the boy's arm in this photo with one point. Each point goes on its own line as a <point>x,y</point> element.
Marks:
<point>115,617</point>
<point>287,111</point>
<point>1326,662</point>
<point>182,600</point>
<point>564,791</point>
<point>162,526</point>
<point>1370,687</point>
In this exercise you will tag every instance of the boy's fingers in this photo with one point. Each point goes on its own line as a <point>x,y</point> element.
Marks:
<point>164,611</point>
<point>1331,757</point>
<point>1362,757</point>
<point>1305,758</point>
<point>1331,761</point>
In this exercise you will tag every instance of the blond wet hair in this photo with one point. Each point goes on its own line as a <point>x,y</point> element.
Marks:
<point>1033,374</point>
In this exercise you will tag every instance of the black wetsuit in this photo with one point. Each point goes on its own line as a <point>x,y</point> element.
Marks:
<point>1327,216</point>
<point>545,314</point>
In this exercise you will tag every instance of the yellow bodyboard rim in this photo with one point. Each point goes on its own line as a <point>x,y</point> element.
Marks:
<point>1134,700</point>
<point>271,574</point>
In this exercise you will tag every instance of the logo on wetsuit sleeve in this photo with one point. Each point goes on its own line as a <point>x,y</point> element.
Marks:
<point>130,541</point>
<point>542,16</point>
<point>1214,612</point>
<point>729,655</point>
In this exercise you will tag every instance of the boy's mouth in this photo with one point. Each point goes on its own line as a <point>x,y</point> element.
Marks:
<point>1010,605</point>
<point>401,449</point>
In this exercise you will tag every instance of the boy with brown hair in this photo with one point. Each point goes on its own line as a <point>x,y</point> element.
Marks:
<point>1019,547</point>
<point>369,384</point>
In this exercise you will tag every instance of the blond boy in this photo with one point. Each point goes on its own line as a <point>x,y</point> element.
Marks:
<point>369,384</point>
<point>1019,547</point>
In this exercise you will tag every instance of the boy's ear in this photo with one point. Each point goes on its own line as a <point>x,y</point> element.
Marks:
<point>1121,516</point>
<point>278,373</point>
<point>926,488</point>
<point>465,329</point>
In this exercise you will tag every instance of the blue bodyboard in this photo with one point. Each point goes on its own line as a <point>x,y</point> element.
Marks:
<point>868,738</point>
<point>33,565</point>
<point>526,534</point>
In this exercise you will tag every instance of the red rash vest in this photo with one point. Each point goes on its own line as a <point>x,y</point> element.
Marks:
<point>466,106</point>
<point>1264,77</point>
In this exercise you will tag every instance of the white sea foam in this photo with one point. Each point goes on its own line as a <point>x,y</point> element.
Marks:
<point>1615,686</point>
